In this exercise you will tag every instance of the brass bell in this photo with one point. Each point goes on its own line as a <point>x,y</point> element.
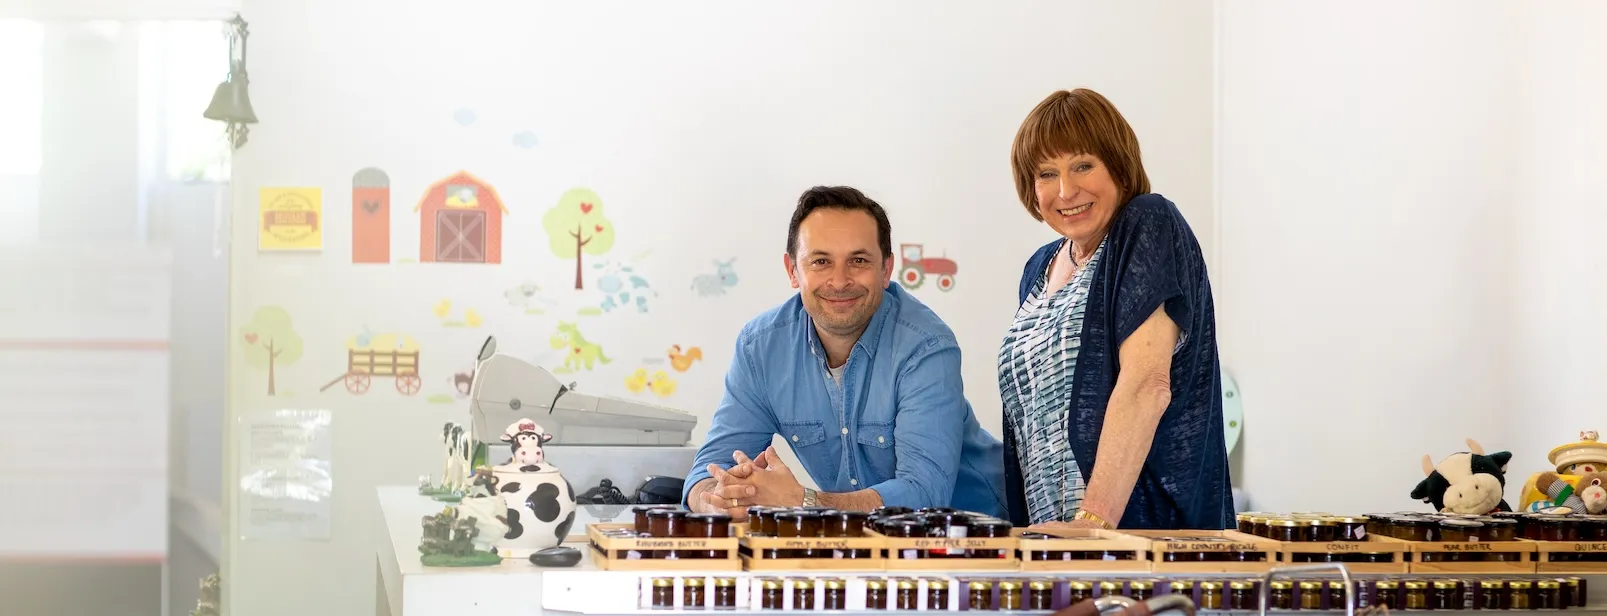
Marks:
<point>231,102</point>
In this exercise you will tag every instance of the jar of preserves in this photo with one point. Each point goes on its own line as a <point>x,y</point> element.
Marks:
<point>1040,595</point>
<point>846,524</point>
<point>1415,596</point>
<point>1141,590</point>
<point>875,595</point>
<point>1242,520</point>
<point>1280,596</point>
<point>1591,527</point>
<point>1338,595</point>
<point>937,594</point>
<point>725,593</point>
<point>835,595</point>
<point>908,595</point>
<point>1241,595</point>
<point>1459,530</point>
<point>905,528</point>
<point>811,524</point>
<point>988,528</point>
<point>1009,595</point>
<point>1108,588</point>
<point>1210,595</point>
<point>1289,530</point>
<point>1181,587</point>
<point>640,512</point>
<point>771,597</point>
<point>1416,529</point>
<point>1261,526</point>
<point>692,596</point>
<point>1548,595</point>
<point>1492,595</point>
<point>707,526</point>
<point>1498,529</point>
<point>948,525</point>
<point>1573,589</point>
<point>803,594</point>
<point>1349,528</point>
<point>663,593</point>
<point>789,525</point>
<point>1388,594</point>
<point>666,524</point>
<point>1520,595</point>
<point>981,595</point>
<point>755,520</point>
<point>1311,595</point>
<point>1323,530</point>
<point>1381,524</point>
<point>1079,591</point>
<point>1447,595</point>
<point>1557,528</point>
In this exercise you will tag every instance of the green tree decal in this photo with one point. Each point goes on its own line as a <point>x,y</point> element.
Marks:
<point>271,341</point>
<point>576,226</point>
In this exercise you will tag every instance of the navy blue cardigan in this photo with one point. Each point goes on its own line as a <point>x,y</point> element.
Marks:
<point>1151,259</point>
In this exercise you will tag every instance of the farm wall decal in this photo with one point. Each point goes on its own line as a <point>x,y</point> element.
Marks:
<point>384,355</point>
<point>579,353</point>
<point>917,266</point>
<point>290,219</point>
<point>460,220</point>
<point>576,227</point>
<point>715,284</point>
<point>680,360</point>
<point>622,288</point>
<point>443,311</point>
<point>371,216</point>
<point>271,342</point>
<point>658,383</point>
<point>527,296</point>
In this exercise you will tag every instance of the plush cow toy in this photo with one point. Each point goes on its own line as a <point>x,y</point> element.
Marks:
<point>526,438</point>
<point>1467,482</point>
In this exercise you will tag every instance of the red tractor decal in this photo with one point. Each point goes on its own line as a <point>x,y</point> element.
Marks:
<point>916,266</point>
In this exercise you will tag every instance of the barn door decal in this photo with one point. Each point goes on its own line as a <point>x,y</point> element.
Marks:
<point>460,236</point>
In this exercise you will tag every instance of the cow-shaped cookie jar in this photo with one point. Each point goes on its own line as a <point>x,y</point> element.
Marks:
<point>541,503</point>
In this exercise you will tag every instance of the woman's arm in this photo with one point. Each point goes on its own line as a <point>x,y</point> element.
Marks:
<point>1143,391</point>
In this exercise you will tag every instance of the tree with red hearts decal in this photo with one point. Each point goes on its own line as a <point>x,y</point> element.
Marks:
<point>577,227</point>
<point>271,341</point>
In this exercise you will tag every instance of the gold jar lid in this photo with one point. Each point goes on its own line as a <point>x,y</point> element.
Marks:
<point>906,585</point>
<point>937,584</point>
<point>1210,586</point>
<point>662,582</point>
<point>980,585</point>
<point>1321,521</point>
<point>1573,581</point>
<point>1141,585</point>
<point>692,581</point>
<point>1240,585</point>
<point>1080,585</point>
<point>723,582</point>
<point>875,585</point>
<point>834,584</point>
<point>1548,584</point>
<point>1386,584</point>
<point>1182,584</point>
<point>1491,584</point>
<point>1243,516</point>
<point>1306,585</point>
<point>1445,584</point>
<point>1259,519</point>
<point>1112,586</point>
<point>1008,585</point>
<point>1041,585</point>
<point>1315,513</point>
<point>1282,584</point>
<point>803,583</point>
<point>1416,585</point>
<point>1336,585</point>
<point>1348,519</point>
<point>1518,584</point>
<point>1286,523</point>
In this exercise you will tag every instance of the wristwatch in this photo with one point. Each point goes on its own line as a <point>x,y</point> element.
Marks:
<point>811,498</point>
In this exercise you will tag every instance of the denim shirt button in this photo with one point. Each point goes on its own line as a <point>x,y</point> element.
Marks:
<point>845,429</point>
<point>853,482</point>
<point>794,438</point>
<point>881,439</point>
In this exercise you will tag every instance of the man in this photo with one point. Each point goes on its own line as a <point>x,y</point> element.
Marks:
<point>861,378</point>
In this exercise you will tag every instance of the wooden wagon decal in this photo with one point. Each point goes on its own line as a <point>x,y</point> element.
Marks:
<point>380,355</point>
<point>460,220</point>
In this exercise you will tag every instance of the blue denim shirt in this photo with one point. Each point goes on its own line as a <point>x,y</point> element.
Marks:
<point>899,424</point>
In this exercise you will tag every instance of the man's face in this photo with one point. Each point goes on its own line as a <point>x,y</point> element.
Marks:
<point>839,269</point>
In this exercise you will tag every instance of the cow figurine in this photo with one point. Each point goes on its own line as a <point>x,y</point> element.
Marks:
<point>540,502</point>
<point>1467,482</point>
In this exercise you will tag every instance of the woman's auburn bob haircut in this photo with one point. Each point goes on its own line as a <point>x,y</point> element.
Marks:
<point>1076,122</point>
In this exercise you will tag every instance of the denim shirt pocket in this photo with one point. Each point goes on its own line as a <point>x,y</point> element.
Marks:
<point>808,441</point>
<point>876,441</point>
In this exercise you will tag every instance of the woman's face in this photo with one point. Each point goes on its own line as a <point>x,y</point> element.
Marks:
<point>1077,196</point>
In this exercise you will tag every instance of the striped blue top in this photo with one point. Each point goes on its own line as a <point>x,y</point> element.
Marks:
<point>1036,364</point>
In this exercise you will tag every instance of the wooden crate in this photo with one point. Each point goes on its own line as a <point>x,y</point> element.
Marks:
<point>1222,555</point>
<point>1086,549</point>
<point>754,547</point>
<point>1554,557</point>
<point>1298,553</point>
<point>1441,549</point>
<point>613,553</point>
<point>896,546</point>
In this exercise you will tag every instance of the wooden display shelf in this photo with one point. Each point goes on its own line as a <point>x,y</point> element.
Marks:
<point>754,549</point>
<point>1349,554</point>
<point>1446,556</point>
<point>898,548</point>
<point>636,554</point>
<point>1083,550</point>
<point>1215,551</point>
<point>1557,557</point>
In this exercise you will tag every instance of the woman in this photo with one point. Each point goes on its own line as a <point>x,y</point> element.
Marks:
<point>1109,372</point>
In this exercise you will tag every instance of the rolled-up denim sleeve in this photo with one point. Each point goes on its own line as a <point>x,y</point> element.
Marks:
<point>743,421</point>
<point>927,428</point>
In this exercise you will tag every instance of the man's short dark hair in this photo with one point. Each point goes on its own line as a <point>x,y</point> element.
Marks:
<point>842,198</point>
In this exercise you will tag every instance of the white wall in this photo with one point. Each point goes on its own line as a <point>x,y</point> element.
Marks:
<point>698,131</point>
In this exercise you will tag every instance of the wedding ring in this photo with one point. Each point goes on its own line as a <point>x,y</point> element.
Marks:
<point>733,504</point>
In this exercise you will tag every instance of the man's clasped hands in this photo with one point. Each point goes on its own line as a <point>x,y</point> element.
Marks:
<point>764,480</point>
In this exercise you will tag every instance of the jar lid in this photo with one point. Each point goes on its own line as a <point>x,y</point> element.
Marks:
<point>1107,585</point>
<point>1210,586</point>
<point>1240,585</point>
<point>662,582</point>
<point>834,584</point>
<point>803,583</point>
<point>1588,449</point>
<point>666,513</point>
<point>1321,521</point>
<point>1518,584</point>
<point>937,510</point>
<point>772,584</point>
<point>1348,519</point>
<point>1461,524</point>
<point>709,517</point>
<point>993,523</point>
<point>851,515</point>
<point>1416,585</point>
<point>1548,584</point>
<point>937,584</point>
<point>723,582</point>
<point>1306,585</point>
<point>1007,585</point>
<point>1445,584</point>
<point>1080,585</point>
<point>692,581</point>
<point>1491,584</point>
<point>1284,523</point>
<point>875,585</point>
<point>1386,584</point>
<point>981,585</point>
<point>1336,585</point>
<point>1182,583</point>
<point>1040,585</point>
<point>647,508</point>
<point>1141,584</point>
<point>906,584</point>
<point>1286,584</point>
